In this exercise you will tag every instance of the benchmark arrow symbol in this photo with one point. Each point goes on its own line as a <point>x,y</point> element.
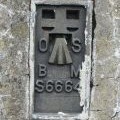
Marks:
<point>60,54</point>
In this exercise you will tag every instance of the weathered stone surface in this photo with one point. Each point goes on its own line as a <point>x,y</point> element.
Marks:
<point>14,49</point>
<point>14,56</point>
<point>105,96</point>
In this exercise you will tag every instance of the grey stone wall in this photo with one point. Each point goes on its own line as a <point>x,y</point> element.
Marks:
<point>105,99</point>
<point>14,67</point>
<point>14,60</point>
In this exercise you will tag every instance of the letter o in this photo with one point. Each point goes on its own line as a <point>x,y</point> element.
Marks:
<point>43,45</point>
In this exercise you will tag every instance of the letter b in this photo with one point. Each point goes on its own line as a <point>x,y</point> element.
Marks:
<point>42,70</point>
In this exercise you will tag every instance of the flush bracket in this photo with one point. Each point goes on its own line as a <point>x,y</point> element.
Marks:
<point>68,28</point>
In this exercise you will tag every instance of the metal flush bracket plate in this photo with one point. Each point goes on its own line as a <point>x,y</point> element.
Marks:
<point>60,59</point>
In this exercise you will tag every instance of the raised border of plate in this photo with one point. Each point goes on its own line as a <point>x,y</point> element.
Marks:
<point>86,66</point>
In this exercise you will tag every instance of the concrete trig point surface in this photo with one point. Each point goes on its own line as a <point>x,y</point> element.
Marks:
<point>82,51</point>
<point>15,82</point>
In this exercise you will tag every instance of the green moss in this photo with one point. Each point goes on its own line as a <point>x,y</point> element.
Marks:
<point>2,44</point>
<point>104,48</point>
<point>20,30</point>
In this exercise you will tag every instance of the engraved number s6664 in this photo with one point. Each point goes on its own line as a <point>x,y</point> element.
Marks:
<point>57,86</point>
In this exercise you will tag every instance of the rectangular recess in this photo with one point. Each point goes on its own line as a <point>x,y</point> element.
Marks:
<point>48,14</point>
<point>56,89</point>
<point>72,14</point>
<point>85,74</point>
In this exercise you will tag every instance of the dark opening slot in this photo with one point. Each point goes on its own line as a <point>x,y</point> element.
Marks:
<point>53,36</point>
<point>48,14</point>
<point>68,38</point>
<point>72,29</point>
<point>47,28</point>
<point>72,14</point>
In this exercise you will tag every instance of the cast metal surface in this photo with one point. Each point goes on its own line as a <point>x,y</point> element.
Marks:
<point>59,53</point>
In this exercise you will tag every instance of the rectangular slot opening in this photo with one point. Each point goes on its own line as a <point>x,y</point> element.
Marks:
<point>72,14</point>
<point>48,14</point>
<point>68,37</point>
